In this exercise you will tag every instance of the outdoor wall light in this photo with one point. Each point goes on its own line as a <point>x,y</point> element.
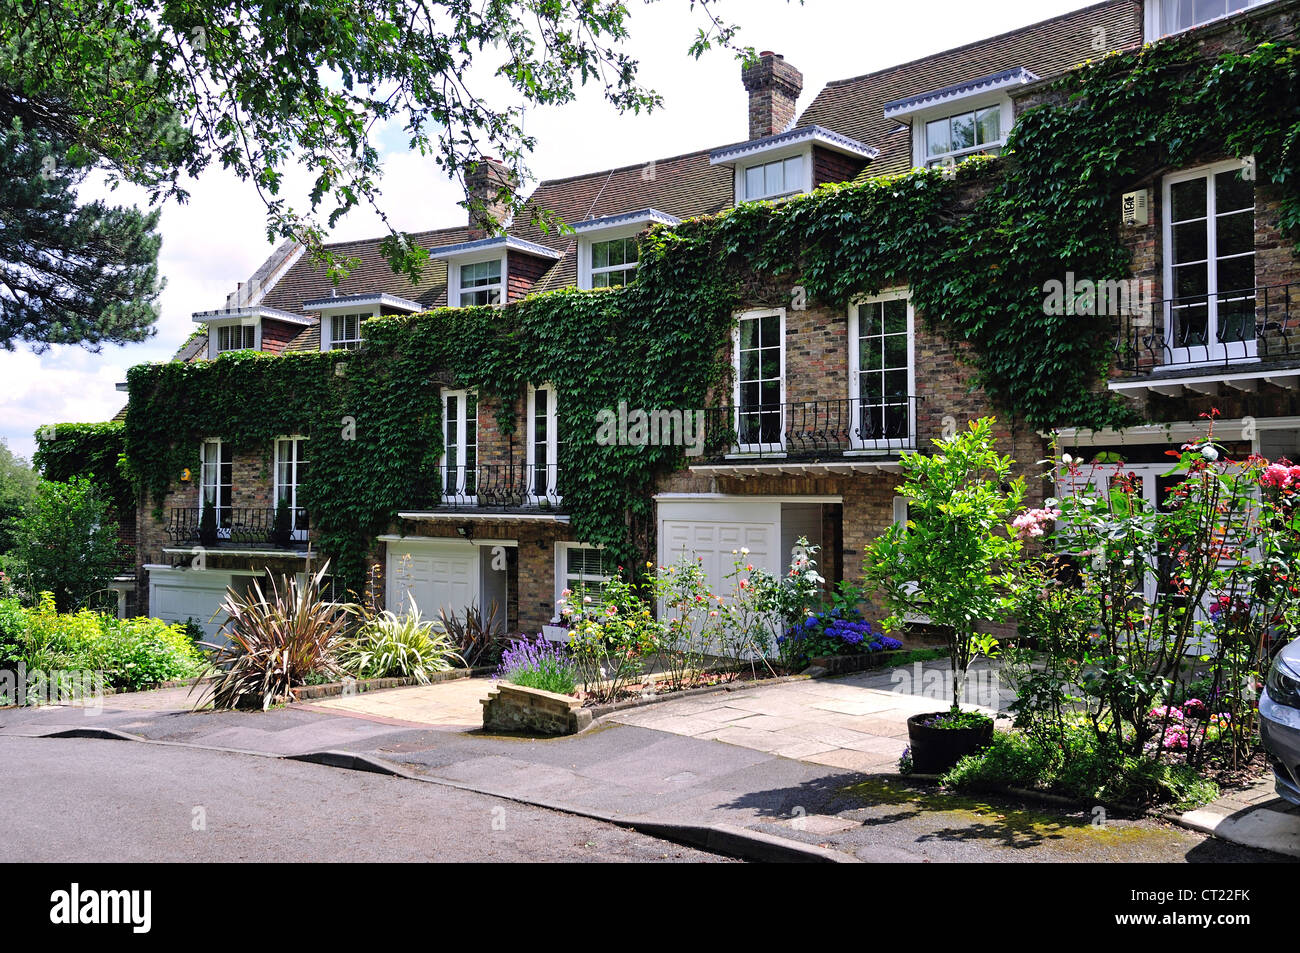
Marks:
<point>463,531</point>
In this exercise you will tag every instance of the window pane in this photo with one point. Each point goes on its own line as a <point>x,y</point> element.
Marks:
<point>754,182</point>
<point>937,138</point>
<point>988,125</point>
<point>1232,193</point>
<point>1189,242</point>
<point>772,182</point>
<point>601,279</point>
<point>895,316</point>
<point>1237,274</point>
<point>896,350</point>
<point>1235,234</point>
<point>1188,200</point>
<point>748,334</point>
<point>794,173</point>
<point>1208,9</point>
<point>1190,280</point>
<point>600,254</point>
<point>771,332</point>
<point>963,131</point>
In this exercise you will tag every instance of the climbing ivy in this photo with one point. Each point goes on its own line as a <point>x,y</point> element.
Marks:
<point>90,451</point>
<point>975,248</point>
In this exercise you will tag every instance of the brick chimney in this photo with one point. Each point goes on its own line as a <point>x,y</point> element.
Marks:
<point>774,86</point>
<point>490,184</point>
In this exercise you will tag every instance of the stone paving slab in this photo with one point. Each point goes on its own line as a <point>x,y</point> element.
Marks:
<point>454,704</point>
<point>1253,816</point>
<point>857,722</point>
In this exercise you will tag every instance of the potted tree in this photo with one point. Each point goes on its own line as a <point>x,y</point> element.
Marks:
<point>208,525</point>
<point>282,526</point>
<point>953,561</point>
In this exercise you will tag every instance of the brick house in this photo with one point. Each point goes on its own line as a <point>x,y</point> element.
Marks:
<point>822,401</point>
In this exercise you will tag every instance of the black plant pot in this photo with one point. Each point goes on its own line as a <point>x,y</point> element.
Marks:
<point>935,750</point>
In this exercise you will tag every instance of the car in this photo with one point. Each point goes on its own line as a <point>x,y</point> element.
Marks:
<point>1279,721</point>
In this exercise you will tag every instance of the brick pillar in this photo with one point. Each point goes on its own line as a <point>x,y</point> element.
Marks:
<point>774,86</point>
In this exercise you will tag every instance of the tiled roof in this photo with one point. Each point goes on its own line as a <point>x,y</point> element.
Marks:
<point>856,107</point>
<point>683,186</point>
<point>307,279</point>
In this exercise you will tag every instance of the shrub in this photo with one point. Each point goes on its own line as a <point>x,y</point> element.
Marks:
<point>66,542</point>
<point>476,638</point>
<point>133,653</point>
<point>276,643</point>
<point>1086,768</point>
<point>539,663</point>
<point>130,653</point>
<point>393,646</point>
<point>839,631</point>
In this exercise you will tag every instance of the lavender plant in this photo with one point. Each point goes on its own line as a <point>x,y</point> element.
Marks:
<point>539,663</point>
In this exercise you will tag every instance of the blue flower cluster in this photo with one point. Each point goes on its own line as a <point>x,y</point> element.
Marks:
<point>838,633</point>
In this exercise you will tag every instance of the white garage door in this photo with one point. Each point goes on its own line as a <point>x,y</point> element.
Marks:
<point>440,574</point>
<point>179,594</point>
<point>711,529</point>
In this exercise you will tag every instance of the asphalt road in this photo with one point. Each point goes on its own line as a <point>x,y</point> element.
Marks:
<point>86,800</point>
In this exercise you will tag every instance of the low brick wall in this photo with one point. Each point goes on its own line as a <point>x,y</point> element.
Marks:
<point>533,711</point>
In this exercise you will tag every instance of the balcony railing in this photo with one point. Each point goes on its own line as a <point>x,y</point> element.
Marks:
<point>236,526</point>
<point>1223,329</point>
<point>501,486</point>
<point>815,428</point>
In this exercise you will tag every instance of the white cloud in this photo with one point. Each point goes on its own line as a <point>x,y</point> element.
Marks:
<point>219,237</point>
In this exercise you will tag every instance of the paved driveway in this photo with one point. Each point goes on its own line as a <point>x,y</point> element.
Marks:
<point>858,722</point>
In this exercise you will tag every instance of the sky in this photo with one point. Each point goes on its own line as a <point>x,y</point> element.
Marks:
<point>219,238</point>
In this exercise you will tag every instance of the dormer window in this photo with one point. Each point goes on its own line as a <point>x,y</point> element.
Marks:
<point>341,316</point>
<point>965,119</point>
<point>779,166</point>
<point>772,180</point>
<point>345,331</point>
<point>613,263</point>
<point>236,337</point>
<point>1166,17</point>
<point>608,252</point>
<point>480,283</point>
<point>950,139</point>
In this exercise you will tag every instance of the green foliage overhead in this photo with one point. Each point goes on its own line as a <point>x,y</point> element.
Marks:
<point>975,249</point>
<point>92,451</point>
<point>160,89</point>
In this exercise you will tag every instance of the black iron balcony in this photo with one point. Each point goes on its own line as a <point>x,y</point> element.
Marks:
<point>500,486</point>
<point>236,526</point>
<point>1224,329</point>
<point>811,429</point>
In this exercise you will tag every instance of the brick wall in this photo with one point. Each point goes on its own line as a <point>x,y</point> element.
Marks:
<point>522,272</point>
<point>831,166</point>
<point>276,334</point>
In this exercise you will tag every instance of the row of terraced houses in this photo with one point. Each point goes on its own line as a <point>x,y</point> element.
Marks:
<point>1205,236</point>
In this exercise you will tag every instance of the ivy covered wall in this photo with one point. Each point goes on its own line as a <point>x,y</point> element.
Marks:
<point>976,249</point>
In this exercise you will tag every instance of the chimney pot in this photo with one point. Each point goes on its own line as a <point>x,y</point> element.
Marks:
<point>774,87</point>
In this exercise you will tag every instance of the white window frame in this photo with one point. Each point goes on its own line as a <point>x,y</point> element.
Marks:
<point>855,369</point>
<point>327,339</point>
<point>463,482</point>
<point>454,290</point>
<point>744,449</point>
<point>552,446</point>
<point>562,550</point>
<point>921,158</point>
<point>214,335</point>
<point>219,500</point>
<point>299,460</point>
<point>1214,350</point>
<point>805,186</point>
<point>1154,18</point>
<point>585,251</point>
